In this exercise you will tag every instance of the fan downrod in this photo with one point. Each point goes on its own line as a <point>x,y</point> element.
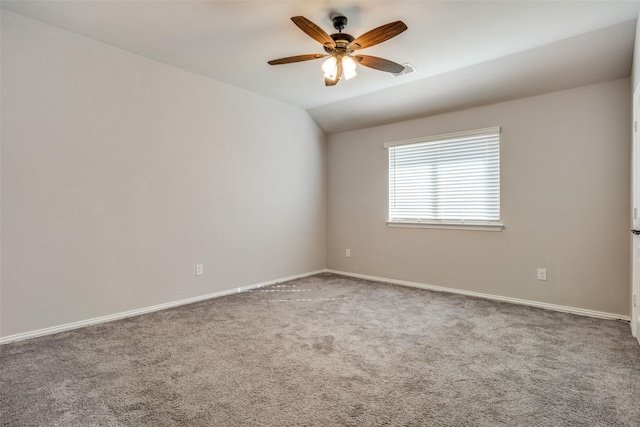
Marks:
<point>341,39</point>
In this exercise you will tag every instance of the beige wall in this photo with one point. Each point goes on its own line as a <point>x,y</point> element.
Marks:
<point>119,174</point>
<point>565,203</point>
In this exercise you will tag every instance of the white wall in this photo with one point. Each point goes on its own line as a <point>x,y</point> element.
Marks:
<point>636,57</point>
<point>565,203</point>
<point>119,174</point>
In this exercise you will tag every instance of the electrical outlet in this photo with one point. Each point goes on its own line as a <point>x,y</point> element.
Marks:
<point>542,274</point>
<point>199,270</point>
<point>348,253</point>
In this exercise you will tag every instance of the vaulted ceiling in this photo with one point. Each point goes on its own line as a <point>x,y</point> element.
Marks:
<point>466,53</point>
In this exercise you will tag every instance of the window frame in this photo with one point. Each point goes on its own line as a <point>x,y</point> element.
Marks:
<point>459,224</point>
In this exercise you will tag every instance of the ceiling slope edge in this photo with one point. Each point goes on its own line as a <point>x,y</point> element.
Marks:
<point>590,58</point>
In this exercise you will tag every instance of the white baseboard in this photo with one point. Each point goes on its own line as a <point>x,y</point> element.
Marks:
<point>144,310</point>
<point>554,307</point>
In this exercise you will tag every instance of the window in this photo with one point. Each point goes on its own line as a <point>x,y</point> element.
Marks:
<point>446,181</point>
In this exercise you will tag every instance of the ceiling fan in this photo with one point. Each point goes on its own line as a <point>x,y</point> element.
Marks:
<point>340,48</point>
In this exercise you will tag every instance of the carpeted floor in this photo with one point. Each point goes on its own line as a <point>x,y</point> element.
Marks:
<point>325,351</point>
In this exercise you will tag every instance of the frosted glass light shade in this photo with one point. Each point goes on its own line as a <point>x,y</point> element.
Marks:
<point>330,68</point>
<point>348,67</point>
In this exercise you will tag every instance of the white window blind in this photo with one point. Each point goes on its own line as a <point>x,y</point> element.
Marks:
<point>446,179</point>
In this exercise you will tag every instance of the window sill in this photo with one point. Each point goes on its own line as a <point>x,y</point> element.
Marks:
<point>473,226</point>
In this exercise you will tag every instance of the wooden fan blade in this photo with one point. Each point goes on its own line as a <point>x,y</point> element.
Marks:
<point>313,31</point>
<point>379,63</point>
<point>329,82</point>
<point>297,58</point>
<point>378,35</point>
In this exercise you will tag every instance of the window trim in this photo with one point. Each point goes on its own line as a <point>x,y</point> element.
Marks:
<point>477,225</point>
<point>475,132</point>
<point>450,225</point>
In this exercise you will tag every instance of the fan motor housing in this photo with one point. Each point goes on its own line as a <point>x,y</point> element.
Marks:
<point>342,41</point>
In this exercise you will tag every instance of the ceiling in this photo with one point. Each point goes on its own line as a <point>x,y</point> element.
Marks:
<point>466,53</point>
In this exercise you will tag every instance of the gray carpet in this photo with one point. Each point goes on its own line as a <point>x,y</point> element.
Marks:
<point>329,351</point>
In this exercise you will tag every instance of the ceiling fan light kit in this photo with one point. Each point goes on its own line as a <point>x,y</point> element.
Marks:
<point>340,48</point>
